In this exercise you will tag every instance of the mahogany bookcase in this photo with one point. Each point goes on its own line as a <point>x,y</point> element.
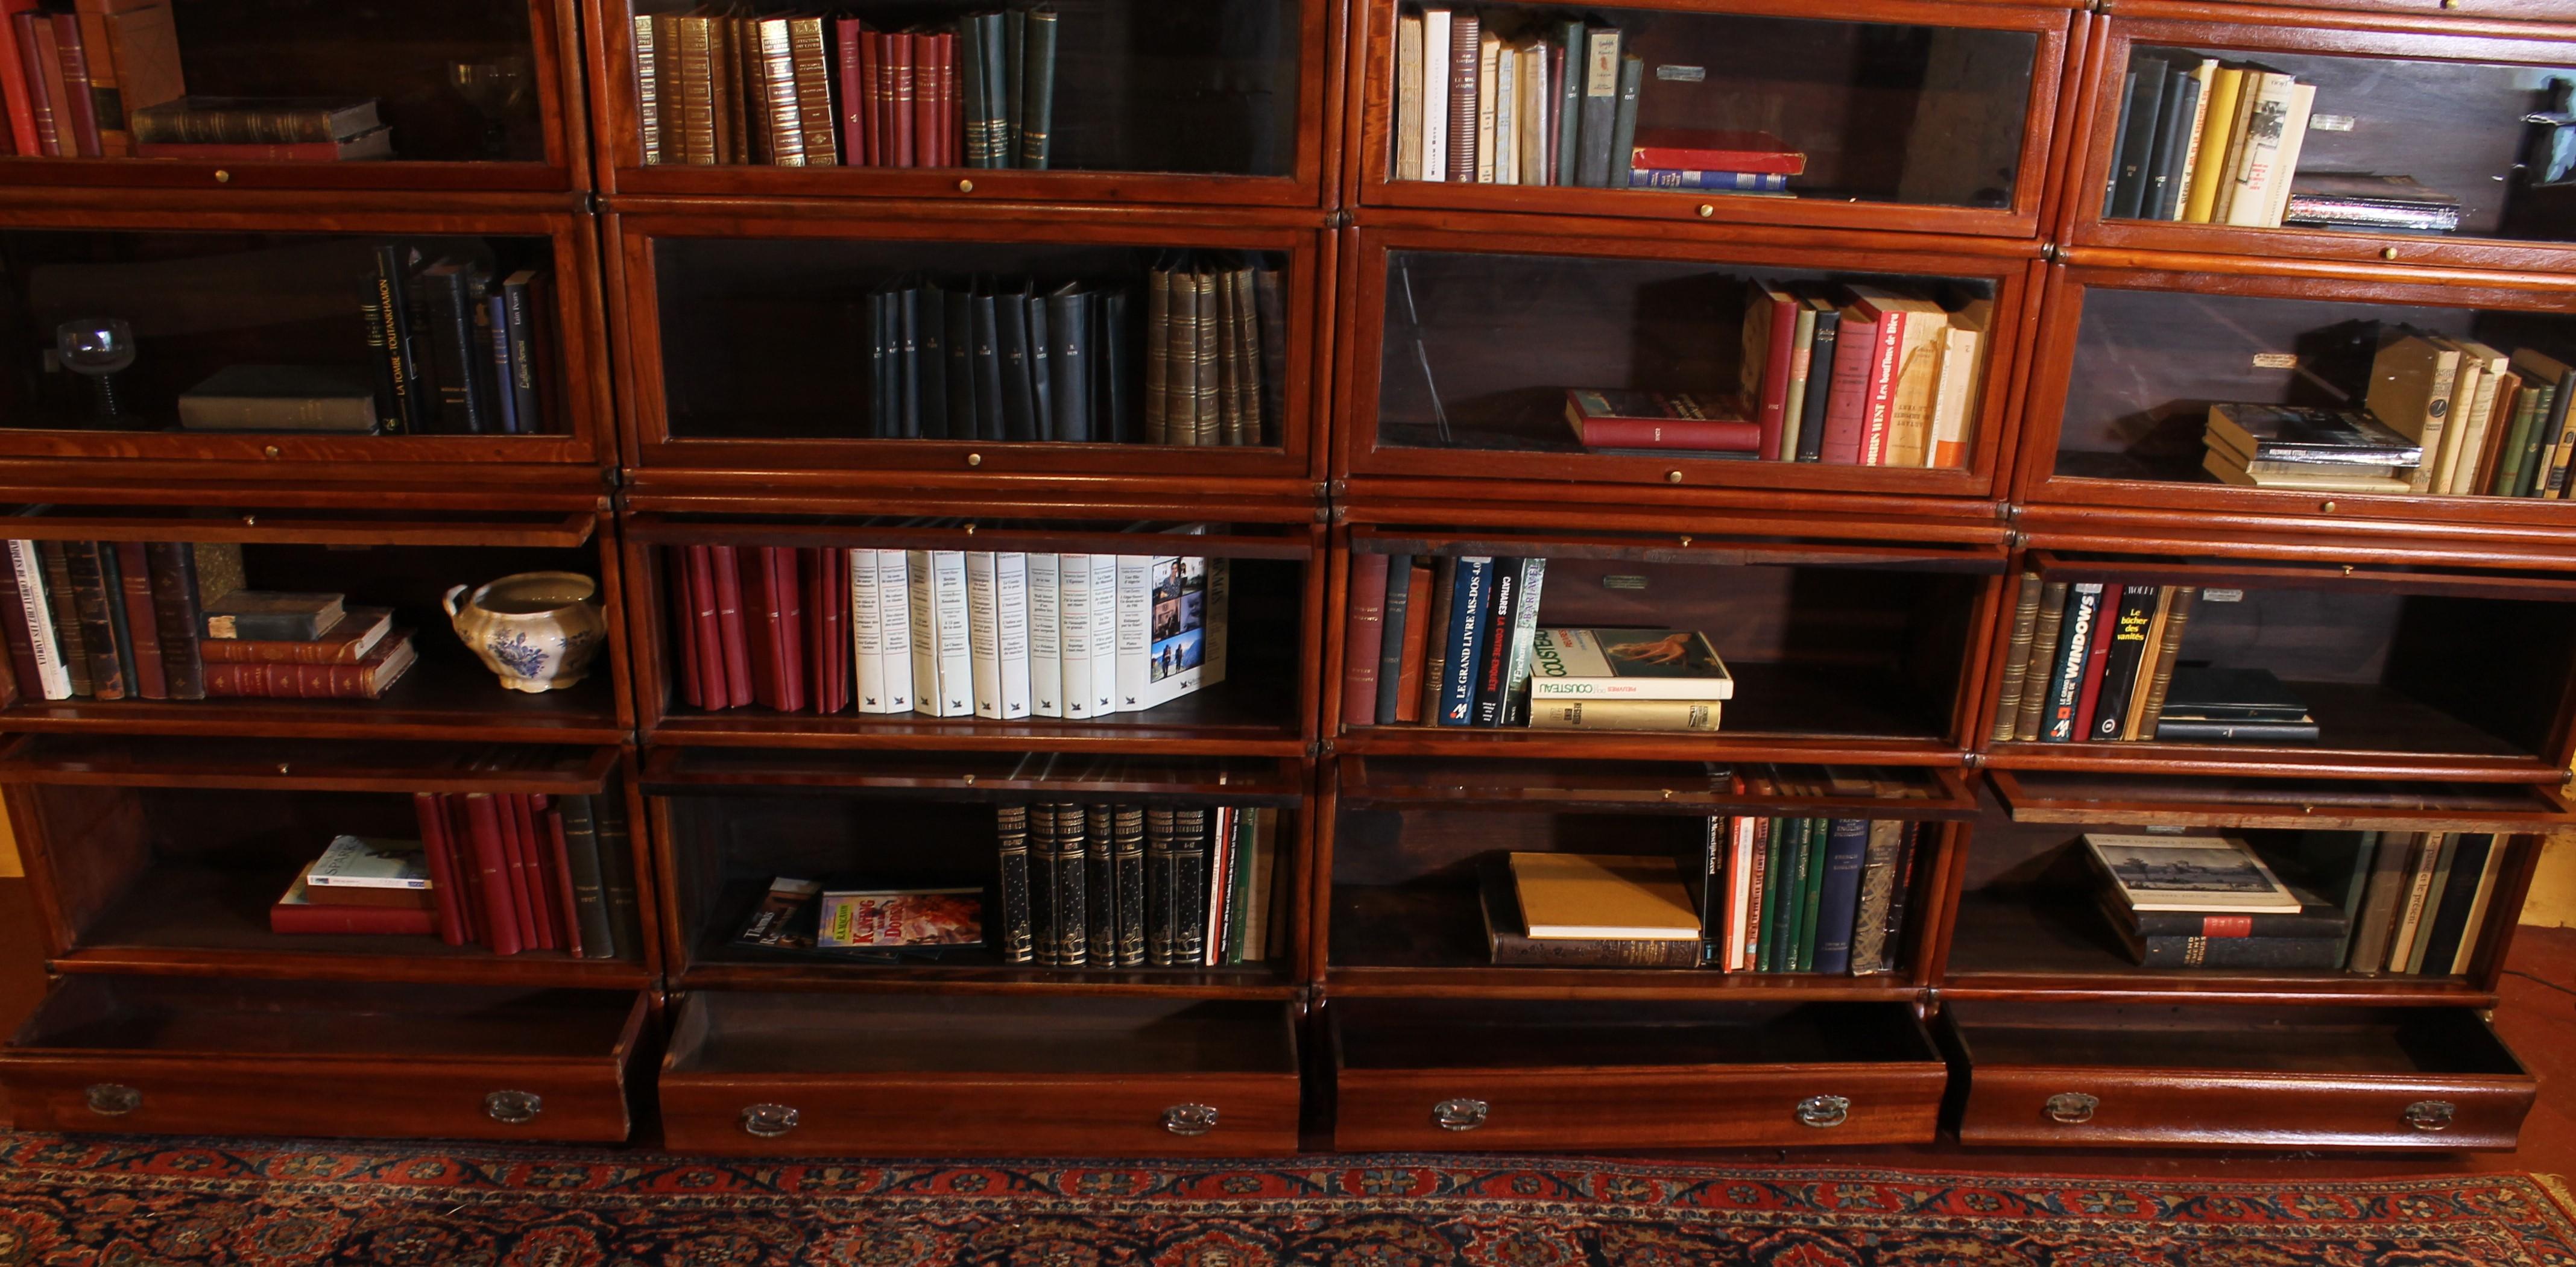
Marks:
<point>704,390</point>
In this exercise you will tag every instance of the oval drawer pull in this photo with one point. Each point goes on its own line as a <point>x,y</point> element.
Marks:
<point>113,1099</point>
<point>1190,1119</point>
<point>517,1108</point>
<point>1821,1111</point>
<point>1461,1114</point>
<point>769,1121</point>
<point>2072,1108</point>
<point>2430,1115</point>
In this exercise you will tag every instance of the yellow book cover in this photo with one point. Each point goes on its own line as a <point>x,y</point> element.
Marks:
<point>1572,895</point>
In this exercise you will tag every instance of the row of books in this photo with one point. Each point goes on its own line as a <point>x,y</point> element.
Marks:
<point>1017,360</point>
<point>2443,415</point>
<point>812,91</point>
<point>506,871</point>
<point>2100,662</point>
<point>455,345</point>
<point>1158,886</point>
<point>71,72</point>
<point>2394,903</point>
<point>112,620</point>
<point>998,634</point>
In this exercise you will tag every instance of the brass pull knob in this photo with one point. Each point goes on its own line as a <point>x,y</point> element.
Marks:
<point>2388,252</point>
<point>1190,1119</point>
<point>974,459</point>
<point>1821,1111</point>
<point>113,1099</point>
<point>1461,1114</point>
<point>1706,210</point>
<point>1672,477</point>
<point>768,1121</point>
<point>965,186</point>
<point>515,1108</point>
<point>272,450</point>
<point>2072,1108</point>
<point>223,178</point>
<point>2430,1115</point>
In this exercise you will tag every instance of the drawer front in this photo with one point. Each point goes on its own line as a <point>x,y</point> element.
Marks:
<point>1163,1115</point>
<point>1707,1106</point>
<point>553,1100</point>
<point>2087,1107</point>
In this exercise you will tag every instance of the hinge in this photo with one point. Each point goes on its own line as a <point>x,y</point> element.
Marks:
<point>2050,252</point>
<point>590,201</point>
<point>1337,219</point>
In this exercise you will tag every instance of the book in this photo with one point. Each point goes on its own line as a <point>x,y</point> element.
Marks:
<point>368,863</point>
<point>2268,98</point>
<point>1879,913</point>
<point>2369,201</point>
<point>1626,664</point>
<point>1762,364</point>
<point>1493,639</point>
<point>2130,628</point>
<point>349,639</point>
<point>1363,646</point>
<point>1455,685</point>
<point>1919,327</point>
<point>2230,468</point>
<point>1559,713</point>
<point>1715,149</point>
<point>281,398</point>
<point>575,823</point>
<point>2285,953</point>
<point>366,678</point>
<point>1623,120</point>
<point>1509,943</point>
<point>295,912</point>
<point>272,615</point>
<point>2446,921</point>
<point>2017,656</point>
<point>141,637</point>
<point>253,120</point>
<point>1465,62</point>
<point>2143,90</point>
<point>1599,109</point>
<point>785,917</point>
<point>1838,894</point>
<point>2218,122</point>
<point>2066,679</point>
<point>373,144</point>
<point>1654,420</point>
<point>1593,896</point>
<point>875,919</point>
<point>2187,873</point>
<point>2411,380</point>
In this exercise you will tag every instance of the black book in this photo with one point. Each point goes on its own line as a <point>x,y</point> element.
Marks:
<point>1042,417</point>
<point>1127,852</point>
<point>959,308</point>
<point>2146,85</point>
<point>1011,356</point>
<point>2165,191</point>
<point>1015,44</point>
<point>1113,415</point>
<point>907,323</point>
<point>1394,615</point>
<point>519,293</point>
<point>2448,924</point>
<point>930,370</point>
<point>1069,361</point>
<point>111,578</point>
<point>389,340</point>
<point>1160,887</point>
<point>1042,885</point>
<point>1820,377</point>
<point>1017,943</point>
<point>589,888</point>
<point>453,348</point>
<point>2308,953</point>
<point>1493,632</point>
<point>1189,887</point>
<point>1100,887</point>
<point>1272,308</point>
<point>988,367</point>
<point>1072,892</point>
<point>2121,667</point>
<point>485,354</point>
<point>2315,919</point>
<point>2202,691</point>
<point>617,870</point>
<point>1898,894</point>
<point>881,368</point>
<point>2160,139</point>
<point>2119,141</point>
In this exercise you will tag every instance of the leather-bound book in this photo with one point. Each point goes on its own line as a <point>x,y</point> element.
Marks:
<point>1366,639</point>
<point>714,684</point>
<point>1015,63</point>
<point>1465,56</point>
<point>683,643</point>
<point>59,594</point>
<point>72,63</point>
<point>731,626</point>
<point>1161,887</point>
<point>440,853</point>
<point>43,78</point>
<point>648,89</point>
<point>1208,327</point>
<point>2017,657</point>
<point>957,343</point>
<point>789,629</point>
<point>520,293</point>
<point>987,358</point>
<point>493,892</point>
<point>367,679</point>
<point>903,92</point>
<point>573,816</point>
<point>1100,886</point>
<point>1189,886</point>
<point>272,614</point>
<point>1069,363</point>
<point>142,622</point>
<point>857,109</point>
<point>1158,345</point>
<point>546,889</point>
<point>1043,887</point>
<point>1072,874</point>
<point>1127,857</point>
<point>19,627</point>
<point>1114,415</point>
<point>1017,943</point>
<point>1229,362</point>
<point>998,89</point>
<point>929,100</point>
<point>927,313</point>
<point>812,75</point>
<point>455,353</point>
<point>97,631</point>
<point>1408,620</point>
<point>295,913</point>
<point>1270,323</point>
<point>1011,353</point>
<point>617,869</point>
<point>693,64</point>
<point>973,97</point>
<point>1248,346</point>
<point>905,306</point>
<point>2045,635</point>
<point>1037,88</point>
<point>1041,360</point>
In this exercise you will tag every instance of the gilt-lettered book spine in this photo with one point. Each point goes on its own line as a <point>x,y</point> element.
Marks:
<point>97,634</point>
<point>1189,886</point>
<point>1017,943</point>
<point>1100,886</point>
<point>1127,857</point>
<point>2017,657</point>
<point>1160,887</point>
<point>1072,884</point>
<point>1042,886</point>
<point>1464,57</point>
<point>648,92</point>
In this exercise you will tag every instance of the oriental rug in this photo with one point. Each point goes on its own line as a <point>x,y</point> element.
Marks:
<point>109,1202</point>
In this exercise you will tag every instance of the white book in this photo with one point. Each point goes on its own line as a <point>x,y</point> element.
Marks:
<point>2294,138</point>
<point>1507,116</point>
<point>867,633</point>
<point>2266,125</point>
<point>2480,418</point>
<point>1104,634</point>
<point>1134,616</point>
<point>1740,930</point>
<point>356,862</point>
<point>1408,97</point>
<point>1435,94</point>
<point>984,634</point>
<point>1046,637</point>
<point>1489,46</point>
<point>1011,622</point>
<point>1954,395</point>
<point>1521,652</point>
<point>894,585</point>
<point>1071,574</point>
<point>51,672</point>
<point>943,661</point>
<point>1177,653</point>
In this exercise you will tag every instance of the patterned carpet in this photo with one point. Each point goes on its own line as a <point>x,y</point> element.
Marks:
<point>132,1202</point>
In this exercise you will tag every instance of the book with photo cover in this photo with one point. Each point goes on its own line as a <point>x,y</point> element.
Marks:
<point>367,863</point>
<point>2188,873</point>
<point>900,919</point>
<point>784,918</point>
<point>1627,664</point>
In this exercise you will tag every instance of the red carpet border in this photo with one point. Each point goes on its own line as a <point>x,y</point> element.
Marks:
<point>115,1202</point>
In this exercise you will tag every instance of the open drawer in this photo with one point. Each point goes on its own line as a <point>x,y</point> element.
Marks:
<point>226,1056</point>
<point>774,1072</point>
<point>2234,1076</point>
<point>1490,1073</point>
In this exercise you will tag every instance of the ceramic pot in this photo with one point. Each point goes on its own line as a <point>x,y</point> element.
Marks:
<point>536,631</point>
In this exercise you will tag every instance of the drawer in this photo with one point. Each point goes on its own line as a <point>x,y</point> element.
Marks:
<point>2234,1076</point>
<point>770,1073</point>
<point>1484,1074</point>
<point>222,1056</point>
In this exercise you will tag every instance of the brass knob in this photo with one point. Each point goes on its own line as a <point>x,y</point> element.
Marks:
<point>223,177</point>
<point>2072,1108</point>
<point>1706,210</point>
<point>2388,252</point>
<point>2327,507</point>
<point>516,1108</point>
<point>1190,1119</point>
<point>768,1121</point>
<point>974,459</point>
<point>1461,1114</point>
<point>2429,1115</point>
<point>1821,1111</point>
<point>1672,477</point>
<point>965,186</point>
<point>271,450</point>
<point>112,1099</point>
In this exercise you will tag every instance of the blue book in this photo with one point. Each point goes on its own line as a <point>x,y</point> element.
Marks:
<point>505,400</point>
<point>1676,178</point>
<point>1470,601</point>
<point>1846,847</point>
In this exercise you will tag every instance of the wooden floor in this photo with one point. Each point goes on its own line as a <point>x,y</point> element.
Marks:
<point>2537,1017</point>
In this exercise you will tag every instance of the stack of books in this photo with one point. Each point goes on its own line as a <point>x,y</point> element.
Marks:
<point>2209,902</point>
<point>2369,202</point>
<point>2304,447</point>
<point>2206,142</point>
<point>816,91</point>
<point>1847,375</point>
<point>1712,159</point>
<point>360,886</point>
<point>73,80</point>
<point>112,620</point>
<point>1588,910</point>
<point>262,129</point>
<point>517,871</point>
<point>2208,704</point>
<point>998,634</point>
<point>1626,679</point>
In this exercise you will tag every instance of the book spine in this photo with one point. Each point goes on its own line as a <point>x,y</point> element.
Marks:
<point>142,620</point>
<point>440,852</point>
<point>519,317</point>
<point>359,920</point>
<point>42,597</point>
<point>1465,57</point>
<point>2168,651</point>
<point>1623,118</point>
<point>1044,645</point>
<point>1879,863</point>
<point>2305,953</point>
<point>1189,885</point>
<point>415,410</point>
<point>1599,116</point>
<point>492,875</point>
<point>1400,641</point>
<point>1514,949</point>
<point>1523,649</point>
<point>17,99</point>
<point>1076,617</point>
<point>1879,416</point>
<point>576,821</point>
<point>1493,635</point>
<point>111,570</point>
<point>648,91</point>
<point>76,108</point>
<point>1099,886</point>
<point>1558,713</point>
<point>1406,156</point>
<point>289,681</point>
<point>452,345</point>
<point>1017,941</point>
<point>2017,655</point>
<point>1072,895</point>
<point>566,906</point>
<point>1770,323</point>
<point>1127,845</point>
<point>867,633</point>
<point>1838,894</point>
<point>1011,631</point>
<point>97,633</point>
<point>172,571</point>
<point>1037,89</point>
<point>1752,852</point>
<point>2066,680</point>
<point>2096,658</point>
<point>1042,886</point>
<point>1135,626</point>
<point>1467,607</point>
<point>378,318</point>
<point>1161,887</point>
<point>2128,652</point>
<point>1848,395</point>
<point>65,602</point>
<point>20,608</point>
<point>617,871</point>
<point>1364,643</point>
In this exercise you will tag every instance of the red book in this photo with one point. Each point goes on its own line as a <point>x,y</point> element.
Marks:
<point>827,624</point>
<point>492,876</point>
<point>559,862</point>
<point>849,64</point>
<point>727,567</point>
<point>789,591</point>
<point>365,679</point>
<point>258,152</point>
<point>1715,150</point>
<point>712,678</point>
<point>442,866</point>
<point>1847,405</point>
<point>514,872</point>
<point>2097,654</point>
<point>905,155</point>
<point>1774,387</point>
<point>14,90</point>
<point>952,132</point>
<point>292,913</point>
<point>1888,348</point>
<point>1417,642</point>
<point>881,56</point>
<point>543,880</point>
<point>1366,640</point>
<point>460,847</point>
<point>44,64</point>
<point>1656,420</point>
<point>926,114</point>
<point>75,67</point>
<point>134,576</point>
<point>760,613</point>
<point>683,643</point>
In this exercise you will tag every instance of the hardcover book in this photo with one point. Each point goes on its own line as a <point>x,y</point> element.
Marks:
<point>361,862</point>
<point>272,615</point>
<point>2188,873</point>
<point>1598,896</point>
<point>1627,664</point>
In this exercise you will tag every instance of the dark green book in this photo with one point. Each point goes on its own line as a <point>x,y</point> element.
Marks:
<point>997,124</point>
<point>973,101</point>
<point>1797,918</point>
<point>1015,61</point>
<point>2515,448</point>
<point>589,891</point>
<point>929,306</point>
<point>111,575</point>
<point>1774,881</point>
<point>885,390</point>
<point>959,343</point>
<point>1069,355</point>
<point>1037,89</point>
<point>617,871</point>
<point>1820,375</point>
<point>1811,878</point>
<point>988,368</point>
<point>1623,125</point>
<point>1569,104</point>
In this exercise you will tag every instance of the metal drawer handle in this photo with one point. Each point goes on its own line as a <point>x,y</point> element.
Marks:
<point>1461,1114</point>
<point>768,1121</point>
<point>2072,1108</point>
<point>517,1108</point>
<point>1190,1119</point>
<point>113,1099</point>
<point>2430,1115</point>
<point>1821,1111</point>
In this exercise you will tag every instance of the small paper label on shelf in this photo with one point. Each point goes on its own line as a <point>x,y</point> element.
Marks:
<point>2276,360</point>
<point>1682,74</point>
<point>2222,596</point>
<point>2330,123</point>
<point>1623,581</point>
